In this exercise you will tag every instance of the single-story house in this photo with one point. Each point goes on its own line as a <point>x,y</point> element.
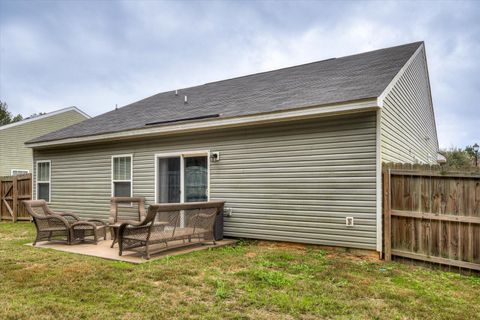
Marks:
<point>15,157</point>
<point>296,153</point>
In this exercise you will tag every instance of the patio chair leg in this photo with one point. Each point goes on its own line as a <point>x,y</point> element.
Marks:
<point>120,246</point>
<point>147,256</point>
<point>114,236</point>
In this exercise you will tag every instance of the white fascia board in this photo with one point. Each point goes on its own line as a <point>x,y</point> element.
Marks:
<point>378,179</point>
<point>430,96</point>
<point>272,117</point>
<point>394,81</point>
<point>381,98</point>
<point>81,112</point>
<point>43,116</point>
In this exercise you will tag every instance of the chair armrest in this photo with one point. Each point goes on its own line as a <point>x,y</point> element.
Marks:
<point>98,221</point>
<point>135,226</point>
<point>68,214</point>
<point>133,223</point>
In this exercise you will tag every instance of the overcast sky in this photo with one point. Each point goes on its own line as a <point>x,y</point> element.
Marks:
<point>96,54</point>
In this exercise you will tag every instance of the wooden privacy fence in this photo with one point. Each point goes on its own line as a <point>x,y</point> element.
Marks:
<point>14,189</point>
<point>432,216</point>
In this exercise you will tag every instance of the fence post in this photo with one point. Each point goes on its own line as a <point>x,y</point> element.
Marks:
<point>15,198</point>
<point>387,219</point>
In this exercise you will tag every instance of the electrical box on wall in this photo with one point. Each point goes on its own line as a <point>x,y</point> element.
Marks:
<point>215,156</point>
<point>349,222</point>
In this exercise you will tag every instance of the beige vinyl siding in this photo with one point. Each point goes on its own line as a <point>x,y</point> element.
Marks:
<point>13,152</point>
<point>408,132</point>
<point>293,181</point>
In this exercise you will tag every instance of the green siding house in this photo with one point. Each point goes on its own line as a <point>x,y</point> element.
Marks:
<point>295,152</point>
<point>15,157</point>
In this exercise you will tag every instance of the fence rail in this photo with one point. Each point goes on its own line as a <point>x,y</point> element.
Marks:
<point>14,189</point>
<point>432,216</point>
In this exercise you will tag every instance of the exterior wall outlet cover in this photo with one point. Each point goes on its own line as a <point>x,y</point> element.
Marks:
<point>349,222</point>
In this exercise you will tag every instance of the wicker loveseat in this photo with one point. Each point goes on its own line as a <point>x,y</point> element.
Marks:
<point>184,223</point>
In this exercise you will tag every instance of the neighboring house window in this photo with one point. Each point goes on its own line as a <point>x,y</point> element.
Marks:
<point>43,180</point>
<point>122,176</point>
<point>16,172</point>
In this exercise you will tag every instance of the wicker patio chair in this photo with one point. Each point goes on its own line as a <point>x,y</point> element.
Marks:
<point>123,209</point>
<point>48,223</point>
<point>165,223</point>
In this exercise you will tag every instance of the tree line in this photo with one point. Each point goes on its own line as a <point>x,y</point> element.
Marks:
<point>6,116</point>
<point>461,158</point>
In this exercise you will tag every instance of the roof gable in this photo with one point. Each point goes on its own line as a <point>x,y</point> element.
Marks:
<point>357,77</point>
<point>43,116</point>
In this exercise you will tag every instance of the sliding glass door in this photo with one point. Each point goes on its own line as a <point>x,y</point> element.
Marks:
<point>196,179</point>
<point>182,178</point>
<point>169,180</point>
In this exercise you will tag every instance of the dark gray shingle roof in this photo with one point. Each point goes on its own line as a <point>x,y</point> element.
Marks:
<point>355,77</point>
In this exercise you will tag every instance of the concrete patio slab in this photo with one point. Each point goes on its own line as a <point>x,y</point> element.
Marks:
<point>103,250</point>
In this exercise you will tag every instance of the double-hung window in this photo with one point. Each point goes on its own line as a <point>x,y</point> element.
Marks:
<point>122,176</point>
<point>43,180</point>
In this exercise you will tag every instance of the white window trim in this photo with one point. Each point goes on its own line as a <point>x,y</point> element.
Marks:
<point>182,155</point>
<point>49,179</point>
<point>131,174</point>
<point>11,171</point>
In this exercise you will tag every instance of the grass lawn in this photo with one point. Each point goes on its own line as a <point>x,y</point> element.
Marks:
<point>249,281</point>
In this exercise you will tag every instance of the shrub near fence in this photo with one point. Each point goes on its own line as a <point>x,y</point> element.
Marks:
<point>432,215</point>
<point>13,190</point>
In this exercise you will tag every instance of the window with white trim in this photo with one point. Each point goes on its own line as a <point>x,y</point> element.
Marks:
<point>17,172</point>
<point>43,180</point>
<point>122,176</point>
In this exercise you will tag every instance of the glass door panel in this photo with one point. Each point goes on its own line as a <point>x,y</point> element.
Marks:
<point>196,179</point>
<point>169,187</point>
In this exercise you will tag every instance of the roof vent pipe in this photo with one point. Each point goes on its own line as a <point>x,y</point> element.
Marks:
<point>176,92</point>
<point>186,99</point>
